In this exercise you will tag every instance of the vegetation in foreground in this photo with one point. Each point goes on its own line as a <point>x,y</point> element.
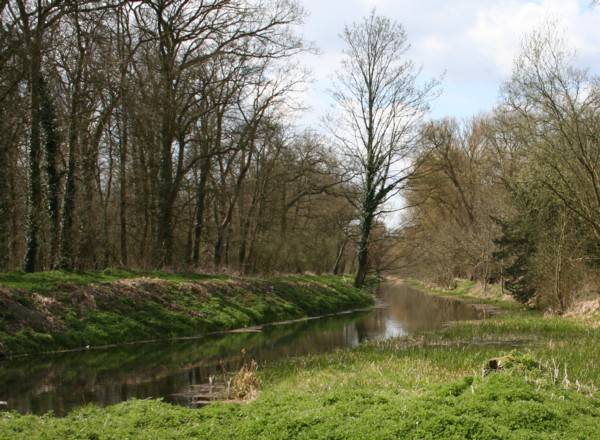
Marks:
<point>58,310</point>
<point>359,395</point>
<point>434,385</point>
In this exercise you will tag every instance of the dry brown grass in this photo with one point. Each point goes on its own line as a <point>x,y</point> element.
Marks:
<point>245,383</point>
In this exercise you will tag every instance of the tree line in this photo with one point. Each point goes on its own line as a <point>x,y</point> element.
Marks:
<point>513,197</point>
<point>157,133</point>
<point>160,134</point>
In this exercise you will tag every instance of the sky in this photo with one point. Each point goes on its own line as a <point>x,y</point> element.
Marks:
<point>470,44</point>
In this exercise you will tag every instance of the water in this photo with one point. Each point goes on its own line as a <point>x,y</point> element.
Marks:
<point>62,382</point>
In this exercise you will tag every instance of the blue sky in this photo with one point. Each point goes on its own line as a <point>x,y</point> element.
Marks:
<point>473,42</point>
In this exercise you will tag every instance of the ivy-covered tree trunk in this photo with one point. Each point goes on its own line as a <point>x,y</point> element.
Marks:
<point>123,141</point>
<point>4,201</point>
<point>31,262</point>
<point>363,250</point>
<point>67,252</point>
<point>67,244</point>
<point>165,210</point>
<point>49,124</point>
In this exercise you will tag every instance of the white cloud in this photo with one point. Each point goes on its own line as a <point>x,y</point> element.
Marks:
<point>473,41</point>
<point>435,45</point>
<point>499,30</point>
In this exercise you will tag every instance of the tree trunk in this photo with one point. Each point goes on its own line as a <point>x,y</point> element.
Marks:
<point>227,246</point>
<point>123,193</point>
<point>558,266</point>
<point>68,218</point>
<point>165,232</point>
<point>243,245</point>
<point>5,199</point>
<point>251,261</point>
<point>15,218</point>
<point>168,117</point>
<point>339,257</point>
<point>245,226</point>
<point>363,250</point>
<point>165,187</point>
<point>49,124</point>
<point>123,140</point>
<point>218,249</point>
<point>91,229</point>
<point>200,204</point>
<point>30,263</point>
<point>67,244</point>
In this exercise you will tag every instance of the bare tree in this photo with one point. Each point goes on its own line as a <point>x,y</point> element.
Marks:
<point>139,116</point>
<point>185,35</point>
<point>557,107</point>
<point>380,105</point>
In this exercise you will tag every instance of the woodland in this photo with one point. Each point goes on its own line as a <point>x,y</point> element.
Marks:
<point>164,135</point>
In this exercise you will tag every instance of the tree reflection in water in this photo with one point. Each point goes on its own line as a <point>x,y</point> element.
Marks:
<point>62,382</point>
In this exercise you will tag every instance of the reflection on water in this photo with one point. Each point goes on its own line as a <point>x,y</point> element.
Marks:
<point>61,382</point>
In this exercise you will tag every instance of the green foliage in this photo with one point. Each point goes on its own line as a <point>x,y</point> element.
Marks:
<point>540,236</point>
<point>516,247</point>
<point>50,280</point>
<point>46,281</point>
<point>321,402</point>
<point>434,386</point>
<point>61,310</point>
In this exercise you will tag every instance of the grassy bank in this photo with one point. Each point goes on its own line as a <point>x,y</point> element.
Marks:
<point>471,292</point>
<point>427,386</point>
<point>57,310</point>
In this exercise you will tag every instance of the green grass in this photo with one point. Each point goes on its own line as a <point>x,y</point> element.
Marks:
<point>569,343</point>
<point>368,393</point>
<point>51,280</point>
<point>468,291</point>
<point>428,386</point>
<point>56,310</point>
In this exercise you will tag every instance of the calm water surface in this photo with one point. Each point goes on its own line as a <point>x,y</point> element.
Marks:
<point>62,382</point>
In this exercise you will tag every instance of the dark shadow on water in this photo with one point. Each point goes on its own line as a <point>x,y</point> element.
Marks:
<point>65,381</point>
